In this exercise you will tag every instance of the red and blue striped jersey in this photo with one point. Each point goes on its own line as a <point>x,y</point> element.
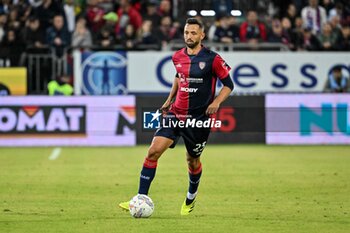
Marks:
<point>196,77</point>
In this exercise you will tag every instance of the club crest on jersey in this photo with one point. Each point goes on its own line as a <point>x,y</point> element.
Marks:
<point>226,66</point>
<point>201,65</point>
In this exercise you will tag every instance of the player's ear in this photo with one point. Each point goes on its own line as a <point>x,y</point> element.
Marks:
<point>202,35</point>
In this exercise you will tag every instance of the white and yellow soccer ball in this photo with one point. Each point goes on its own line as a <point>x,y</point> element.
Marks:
<point>141,206</point>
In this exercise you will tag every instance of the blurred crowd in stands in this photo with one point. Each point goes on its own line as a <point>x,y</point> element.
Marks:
<point>316,25</point>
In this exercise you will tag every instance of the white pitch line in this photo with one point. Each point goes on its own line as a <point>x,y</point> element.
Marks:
<point>55,153</point>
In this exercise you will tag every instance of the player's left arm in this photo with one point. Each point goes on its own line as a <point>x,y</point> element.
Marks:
<point>221,70</point>
<point>223,94</point>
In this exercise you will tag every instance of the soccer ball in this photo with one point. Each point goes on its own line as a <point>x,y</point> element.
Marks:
<point>141,206</point>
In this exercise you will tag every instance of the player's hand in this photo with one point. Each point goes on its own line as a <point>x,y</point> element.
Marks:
<point>212,108</point>
<point>165,107</point>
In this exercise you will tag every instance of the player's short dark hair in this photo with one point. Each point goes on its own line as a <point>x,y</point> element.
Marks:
<point>195,21</point>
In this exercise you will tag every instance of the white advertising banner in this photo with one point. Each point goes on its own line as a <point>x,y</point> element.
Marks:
<point>67,121</point>
<point>307,118</point>
<point>252,72</point>
<point>150,72</point>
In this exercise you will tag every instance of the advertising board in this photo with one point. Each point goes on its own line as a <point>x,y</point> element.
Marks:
<point>13,81</point>
<point>67,121</point>
<point>307,119</point>
<point>150,72</point>
<point>153,72</point>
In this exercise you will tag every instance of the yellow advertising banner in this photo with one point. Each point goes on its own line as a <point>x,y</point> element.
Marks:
<point>15,79</point>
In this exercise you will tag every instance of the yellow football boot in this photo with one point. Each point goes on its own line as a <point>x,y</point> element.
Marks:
<point>124,205</point>
<point>187,209</point>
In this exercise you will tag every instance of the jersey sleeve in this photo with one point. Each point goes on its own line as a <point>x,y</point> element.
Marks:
<point>220,68</point>
<point>174,63</point>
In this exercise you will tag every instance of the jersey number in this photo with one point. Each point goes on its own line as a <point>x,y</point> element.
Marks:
<point>199,148</point>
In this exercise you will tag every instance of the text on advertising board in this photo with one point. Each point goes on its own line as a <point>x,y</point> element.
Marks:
<point>37,120</point>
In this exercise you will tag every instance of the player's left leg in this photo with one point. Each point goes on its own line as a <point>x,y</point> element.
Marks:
<point>195,142</point>
<point>194,175</point>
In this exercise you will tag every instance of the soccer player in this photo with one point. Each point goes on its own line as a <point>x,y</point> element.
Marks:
<point>192,96</point>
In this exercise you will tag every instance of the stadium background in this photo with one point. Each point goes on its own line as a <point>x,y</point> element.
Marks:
<point>119,63</point>
<point>118,48</point>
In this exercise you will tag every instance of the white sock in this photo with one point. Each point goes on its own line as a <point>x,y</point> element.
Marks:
<point>191,196</point>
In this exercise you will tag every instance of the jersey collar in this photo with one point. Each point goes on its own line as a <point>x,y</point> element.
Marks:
<point>185,51</point>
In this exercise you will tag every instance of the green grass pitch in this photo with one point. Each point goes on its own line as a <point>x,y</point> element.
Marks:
<point>244,188</point>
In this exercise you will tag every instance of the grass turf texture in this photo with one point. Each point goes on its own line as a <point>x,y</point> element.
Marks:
<point>244,188</point>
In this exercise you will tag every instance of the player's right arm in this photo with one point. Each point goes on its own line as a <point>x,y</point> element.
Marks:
<point>171,96</point>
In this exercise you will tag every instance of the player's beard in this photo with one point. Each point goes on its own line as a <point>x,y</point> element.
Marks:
<point>192,44</point>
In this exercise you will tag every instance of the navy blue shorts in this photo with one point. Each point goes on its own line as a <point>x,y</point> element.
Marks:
<point>195,138</point>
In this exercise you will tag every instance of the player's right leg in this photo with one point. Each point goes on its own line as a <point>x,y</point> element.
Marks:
<point>158,146</point>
